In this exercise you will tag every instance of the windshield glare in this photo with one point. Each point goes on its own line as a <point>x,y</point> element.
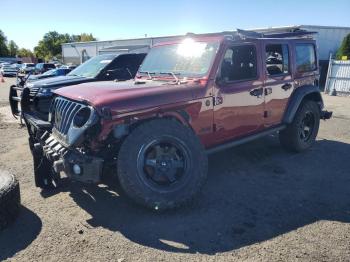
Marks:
<point>93,66</point>
<point>186,59</point>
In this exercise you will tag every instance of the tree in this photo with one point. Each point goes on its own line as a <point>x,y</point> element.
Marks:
<point>3,45</point>
<point>50,45</point>
<point>86,37</point>
<point>344,49</point>
<point>12,48</point>
<point>25,53</point>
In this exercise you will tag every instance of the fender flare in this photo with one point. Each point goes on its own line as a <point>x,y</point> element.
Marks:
<point>299,94</point>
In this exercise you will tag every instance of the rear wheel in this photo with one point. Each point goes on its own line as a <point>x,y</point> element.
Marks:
<point>301,133</point>
<point>162,164</point>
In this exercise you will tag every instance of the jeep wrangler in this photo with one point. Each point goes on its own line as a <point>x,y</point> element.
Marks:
<point>190,97</point>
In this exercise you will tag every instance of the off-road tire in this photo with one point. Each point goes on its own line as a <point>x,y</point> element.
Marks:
<point>290,137</point>
<point>10,199</point>
<point>127,169</point>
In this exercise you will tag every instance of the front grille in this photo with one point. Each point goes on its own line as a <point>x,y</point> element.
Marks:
<point>33,91</point>
<point>62,112</point>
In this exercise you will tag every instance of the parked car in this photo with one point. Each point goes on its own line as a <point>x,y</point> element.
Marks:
<point>41,68</point>
<point>27,68</point>
<point>190,98</point>
<point>69,66</point>
<point>49,74</point>
<point>3,64</point>
<point>9,70</point>
<point>100,68</point>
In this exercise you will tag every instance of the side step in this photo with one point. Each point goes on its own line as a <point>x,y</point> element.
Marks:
<point>243,140</point>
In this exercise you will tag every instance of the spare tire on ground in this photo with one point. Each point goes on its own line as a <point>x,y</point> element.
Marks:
<point>10,199</point>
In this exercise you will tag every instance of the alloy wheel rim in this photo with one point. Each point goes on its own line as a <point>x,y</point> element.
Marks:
<point>163,164</point>
<point>307,126</point>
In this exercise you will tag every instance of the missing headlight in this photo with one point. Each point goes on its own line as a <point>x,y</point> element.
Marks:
<point>81,117</point>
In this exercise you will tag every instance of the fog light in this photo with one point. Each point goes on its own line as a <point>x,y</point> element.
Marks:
<point>76,169</point>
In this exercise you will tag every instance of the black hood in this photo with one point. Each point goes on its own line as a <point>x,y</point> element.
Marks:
<point>59,81</point>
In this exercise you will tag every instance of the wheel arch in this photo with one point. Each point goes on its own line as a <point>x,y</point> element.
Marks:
<point>307,92</point>
<point>180,116</point>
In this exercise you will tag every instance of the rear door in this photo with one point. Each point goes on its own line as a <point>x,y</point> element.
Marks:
<point>239,97</point>
<point>278,85</point>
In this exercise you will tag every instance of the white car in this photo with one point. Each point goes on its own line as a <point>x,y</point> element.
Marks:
<point>9,70</point>
<point>27,68</point>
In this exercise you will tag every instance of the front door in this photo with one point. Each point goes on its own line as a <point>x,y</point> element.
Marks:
<point>238,94</point>
<point>279,83</point>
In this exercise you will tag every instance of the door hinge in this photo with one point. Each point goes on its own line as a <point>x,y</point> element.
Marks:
<point>218,100</point>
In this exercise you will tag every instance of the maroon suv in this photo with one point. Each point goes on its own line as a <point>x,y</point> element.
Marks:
<point>190,97</point>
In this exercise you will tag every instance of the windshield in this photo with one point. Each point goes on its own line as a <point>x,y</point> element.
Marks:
<point>186,59</point>
<point>50,72</point>
<point>93,66</point>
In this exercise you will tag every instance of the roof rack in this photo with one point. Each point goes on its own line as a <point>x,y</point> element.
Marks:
<point>296,33</point>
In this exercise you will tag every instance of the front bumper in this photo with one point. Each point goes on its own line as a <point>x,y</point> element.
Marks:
<point>78,166</point>
<point>61,159</point>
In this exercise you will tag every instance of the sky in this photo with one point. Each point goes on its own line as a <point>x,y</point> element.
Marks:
<point>26,22</point>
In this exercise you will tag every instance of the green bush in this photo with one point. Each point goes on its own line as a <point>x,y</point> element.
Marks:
<point>344,49</point>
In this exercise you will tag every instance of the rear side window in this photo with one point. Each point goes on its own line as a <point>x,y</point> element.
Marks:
<point>277,59</point>
<point>305,57</point>
<point>239,63</point>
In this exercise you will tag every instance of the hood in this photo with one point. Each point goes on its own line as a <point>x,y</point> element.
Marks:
<point>129,96</point>
<point>37,77</point>
<point>59,81</point>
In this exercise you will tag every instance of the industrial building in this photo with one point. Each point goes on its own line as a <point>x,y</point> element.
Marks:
<point>328,39</point>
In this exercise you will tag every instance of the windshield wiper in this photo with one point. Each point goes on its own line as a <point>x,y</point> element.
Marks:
<point>173,75</point>
<point>148,73</point>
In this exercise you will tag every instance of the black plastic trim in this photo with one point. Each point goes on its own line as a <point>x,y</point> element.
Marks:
<point>296,98</point>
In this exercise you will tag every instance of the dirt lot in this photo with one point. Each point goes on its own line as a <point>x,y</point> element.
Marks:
<point>260,204</point>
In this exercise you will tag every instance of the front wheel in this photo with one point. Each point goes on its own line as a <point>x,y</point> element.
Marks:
<point>301,133</point>
<point>162,164</point>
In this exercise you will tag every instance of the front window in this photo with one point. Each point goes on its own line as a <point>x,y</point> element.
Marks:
<point>186,59</point>
<point>239,63</point>
<point>93,66</point>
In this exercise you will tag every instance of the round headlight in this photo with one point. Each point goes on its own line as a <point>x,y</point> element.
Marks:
<point>81,117</point>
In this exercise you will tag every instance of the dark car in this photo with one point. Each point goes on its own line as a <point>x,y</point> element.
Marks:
<point>100,68</point>
<point>190,98</point>
<point>41,68</point>
<point>48,74</point>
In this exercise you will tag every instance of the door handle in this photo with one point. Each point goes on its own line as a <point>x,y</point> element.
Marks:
<point>285,87</point>
<point>256,92</point>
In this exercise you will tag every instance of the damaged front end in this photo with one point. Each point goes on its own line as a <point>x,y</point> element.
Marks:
<point>61,143</point>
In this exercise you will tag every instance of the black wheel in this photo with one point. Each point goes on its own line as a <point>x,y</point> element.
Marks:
<point>162,164</point>
<point>10,199</point>
<point>302,132</point>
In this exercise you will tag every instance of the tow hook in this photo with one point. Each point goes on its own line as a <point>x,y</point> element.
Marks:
<point>326,114</point>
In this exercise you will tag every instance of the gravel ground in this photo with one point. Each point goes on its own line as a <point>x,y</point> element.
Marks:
<point>259,204</point>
